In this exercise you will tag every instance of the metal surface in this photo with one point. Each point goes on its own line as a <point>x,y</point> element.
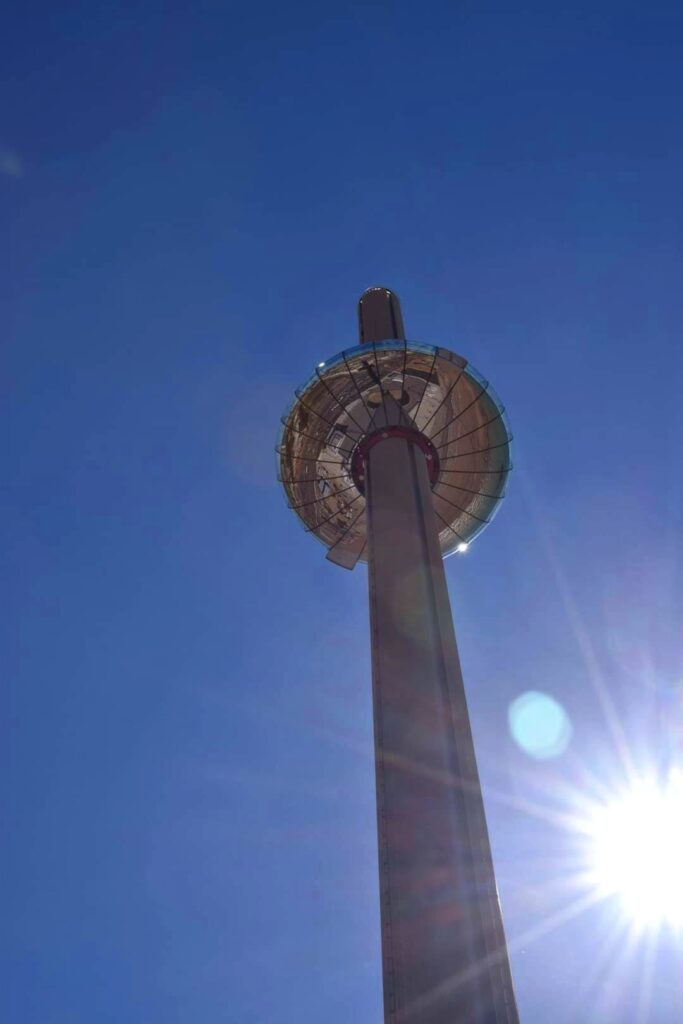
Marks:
<point>379,316</point>
<point>443,946</point>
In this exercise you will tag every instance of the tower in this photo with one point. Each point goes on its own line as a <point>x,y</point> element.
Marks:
<point>397,453</point>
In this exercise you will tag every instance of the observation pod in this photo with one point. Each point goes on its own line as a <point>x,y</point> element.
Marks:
<point>391,387</point>
<point>398,453</point>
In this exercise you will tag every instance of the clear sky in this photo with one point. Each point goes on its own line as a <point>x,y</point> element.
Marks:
<point>195,195</point>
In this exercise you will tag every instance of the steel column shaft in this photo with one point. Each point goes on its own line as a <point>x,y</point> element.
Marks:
<point>443,945</point>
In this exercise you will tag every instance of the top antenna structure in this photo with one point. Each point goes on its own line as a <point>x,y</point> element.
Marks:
<point>379,316</point>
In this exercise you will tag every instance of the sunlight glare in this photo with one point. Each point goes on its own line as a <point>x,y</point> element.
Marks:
<point>638,852</point>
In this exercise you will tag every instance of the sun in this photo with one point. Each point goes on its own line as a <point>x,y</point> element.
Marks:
<point>637,852</point>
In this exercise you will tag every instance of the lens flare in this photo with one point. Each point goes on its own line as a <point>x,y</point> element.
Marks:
<point>539,725</point>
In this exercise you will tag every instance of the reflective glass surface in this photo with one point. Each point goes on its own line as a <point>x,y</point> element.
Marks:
<point>440,395</point>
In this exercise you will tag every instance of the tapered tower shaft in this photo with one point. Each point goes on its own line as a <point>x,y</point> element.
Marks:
<point>443,945</point>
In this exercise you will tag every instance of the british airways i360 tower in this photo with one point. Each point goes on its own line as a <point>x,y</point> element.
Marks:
<point>398,453</point>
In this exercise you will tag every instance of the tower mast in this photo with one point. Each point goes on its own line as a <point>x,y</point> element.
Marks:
<point>397,454</point>
<point>443,946</point>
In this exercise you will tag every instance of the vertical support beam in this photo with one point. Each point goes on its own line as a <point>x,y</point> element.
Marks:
<point>443,945</point>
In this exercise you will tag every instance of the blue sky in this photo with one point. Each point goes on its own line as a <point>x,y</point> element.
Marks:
<point>194,196</point>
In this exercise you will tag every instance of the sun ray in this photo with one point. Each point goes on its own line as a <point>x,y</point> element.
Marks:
<point>581,635</point>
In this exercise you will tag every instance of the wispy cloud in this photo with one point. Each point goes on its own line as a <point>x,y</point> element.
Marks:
<point>10,164</point>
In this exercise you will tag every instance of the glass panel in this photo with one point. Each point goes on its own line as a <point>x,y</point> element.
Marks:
<point>448,398</point>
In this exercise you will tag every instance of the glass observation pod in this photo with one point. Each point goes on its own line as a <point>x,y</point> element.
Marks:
<point>453,413</point>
